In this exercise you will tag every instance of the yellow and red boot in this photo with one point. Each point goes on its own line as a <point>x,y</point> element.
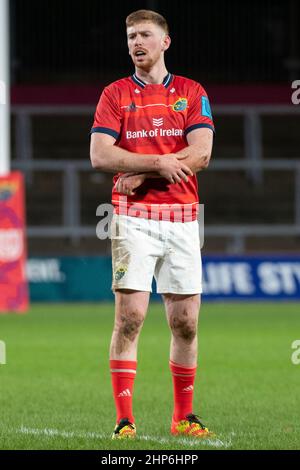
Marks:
<point>191,426</point>
<point>124,430</point>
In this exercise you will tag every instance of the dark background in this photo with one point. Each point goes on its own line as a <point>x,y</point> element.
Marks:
<point>229,41</point>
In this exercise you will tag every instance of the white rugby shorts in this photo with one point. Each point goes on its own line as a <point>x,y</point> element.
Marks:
<point>169,251</point>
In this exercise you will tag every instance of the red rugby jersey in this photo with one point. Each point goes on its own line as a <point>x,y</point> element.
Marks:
<point>154,119</point>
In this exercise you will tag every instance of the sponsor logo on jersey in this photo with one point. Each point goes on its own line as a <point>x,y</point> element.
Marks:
<point>143,134</point>
<point>158,122</point>
<point>180,105</point>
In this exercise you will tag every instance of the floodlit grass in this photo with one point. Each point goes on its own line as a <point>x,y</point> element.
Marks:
<point>55,390</point>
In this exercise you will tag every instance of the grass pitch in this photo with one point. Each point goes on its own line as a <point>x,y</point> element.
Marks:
<point>55,390</point>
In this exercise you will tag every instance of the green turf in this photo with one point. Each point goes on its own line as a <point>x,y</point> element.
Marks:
<point>55,390</point>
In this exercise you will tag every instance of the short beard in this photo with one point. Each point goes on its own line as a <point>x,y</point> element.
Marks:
<point>146,66</point>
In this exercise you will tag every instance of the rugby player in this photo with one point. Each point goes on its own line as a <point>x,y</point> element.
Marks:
<point>154,131</point>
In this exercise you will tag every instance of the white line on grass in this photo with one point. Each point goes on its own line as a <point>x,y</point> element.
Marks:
<point>59,433</point>
<point>93,435</point>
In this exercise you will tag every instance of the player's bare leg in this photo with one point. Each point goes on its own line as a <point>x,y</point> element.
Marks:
<point>130,312</point>
<point>182,315</point>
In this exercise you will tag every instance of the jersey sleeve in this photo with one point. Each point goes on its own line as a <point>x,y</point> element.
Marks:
<point>107,119</point>
<point>199,112</point>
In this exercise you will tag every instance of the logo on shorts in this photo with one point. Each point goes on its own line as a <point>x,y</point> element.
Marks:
<point>121,271</point>
<point>180,105</point>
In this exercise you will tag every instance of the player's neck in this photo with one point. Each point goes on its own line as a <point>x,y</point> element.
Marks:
<point>155,76</point>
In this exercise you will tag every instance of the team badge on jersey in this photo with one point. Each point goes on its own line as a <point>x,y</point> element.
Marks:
<point>205,107</point>
<point>180,105</point>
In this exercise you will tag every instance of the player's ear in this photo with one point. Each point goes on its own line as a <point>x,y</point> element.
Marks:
<point>166,42</point>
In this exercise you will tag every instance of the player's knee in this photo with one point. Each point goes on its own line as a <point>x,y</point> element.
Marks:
<point>184,327</point>
<point>130,324</point>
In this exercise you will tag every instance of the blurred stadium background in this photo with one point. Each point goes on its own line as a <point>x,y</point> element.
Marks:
<point>246,55</point>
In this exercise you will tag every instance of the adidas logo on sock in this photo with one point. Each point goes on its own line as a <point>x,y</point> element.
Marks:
<point>190,388</point>
<point>125,393</point>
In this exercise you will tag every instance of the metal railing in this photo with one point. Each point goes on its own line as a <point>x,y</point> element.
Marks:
<point>253,164</point>
<point>72,227</point>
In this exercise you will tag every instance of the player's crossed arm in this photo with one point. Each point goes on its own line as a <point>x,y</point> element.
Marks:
<point>107,157</point>
<point>198,152</point>
<point>196,156</point>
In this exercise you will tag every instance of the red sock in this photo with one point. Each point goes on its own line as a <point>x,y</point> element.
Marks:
<point>122,376</point>
<point>183,385</point>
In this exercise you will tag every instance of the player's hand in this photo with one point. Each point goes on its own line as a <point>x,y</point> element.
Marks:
<point>128,182</point>
<point>173,168</point>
